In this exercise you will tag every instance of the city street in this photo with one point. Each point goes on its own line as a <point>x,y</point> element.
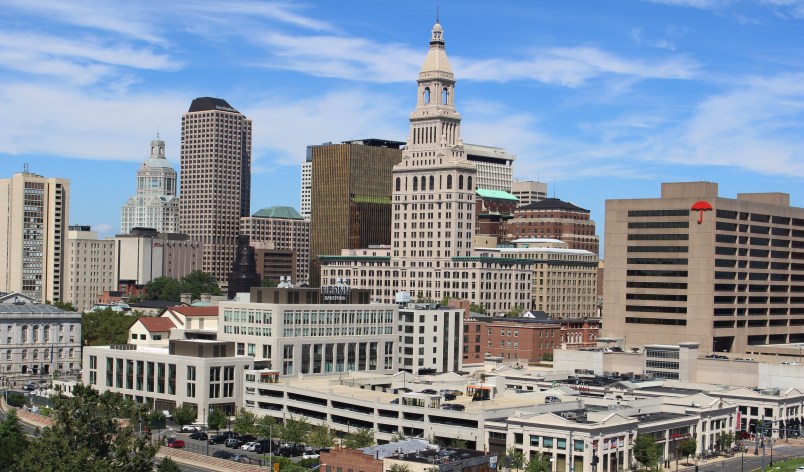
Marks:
<point>751,461</point>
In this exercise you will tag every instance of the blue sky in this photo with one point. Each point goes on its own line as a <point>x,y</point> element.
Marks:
<point>600,99</point>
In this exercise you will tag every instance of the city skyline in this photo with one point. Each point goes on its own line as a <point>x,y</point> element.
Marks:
<point>599,102</point>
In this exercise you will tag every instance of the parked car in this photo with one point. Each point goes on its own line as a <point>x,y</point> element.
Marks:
<point>250,446</point>
<point>188,428</point>
<point>313,455</point>
<point>290,451</point>
<point>30,387</point>
<point>552,399</point>
<point>242,458</point>
<point>233,443</point>
<point>222,454</point>
<point>218,439</point>
<point>429,391</point>
<point>450,396</point>
<point>176,444</point>
<point>453,406</point>
<point>198,435</point>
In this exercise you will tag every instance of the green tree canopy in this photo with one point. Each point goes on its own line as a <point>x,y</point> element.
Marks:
<point>266,427</point>
<point>244,422</point>
<point>13,441</point>
<point>88,435</point>
<point>185,415</point>
<point>477,308</point>
<point>687,447</point>
<point>217,419</point>
<point>399,468</point>
<point>725,440</point>
<point>199,282</point>
<point>168,465</point>
<point>320,436</point>
<point>516,312</point>
<point>363,437</point>
<point>514,458</point>
<point>646,451</point>
<point>66,306</point>
<point>457,443</point>
<point>169,289</point>
<point>294,430</point>
<point>105,327</point>
<point>538,463</point>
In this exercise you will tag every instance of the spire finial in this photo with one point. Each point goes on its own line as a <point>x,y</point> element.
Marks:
<point>437,8</point>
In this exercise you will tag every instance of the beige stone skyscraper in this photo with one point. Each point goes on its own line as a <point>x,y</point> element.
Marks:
<point>155,205</point>
<point>433,213</point>
<point>33,235</point>
<point>215,180</point>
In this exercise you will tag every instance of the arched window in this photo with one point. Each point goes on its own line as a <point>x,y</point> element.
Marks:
<point>427,95</point>
<point>398,184</point>
<point>449,181</point>
<point>424,182</point>
<point>445,96</point>
<point>415,183</point>
<point>469,183</point>
<point>432,183</point>
<point>460,182</point>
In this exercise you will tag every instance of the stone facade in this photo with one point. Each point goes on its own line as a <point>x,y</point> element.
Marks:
<point>155,205</point>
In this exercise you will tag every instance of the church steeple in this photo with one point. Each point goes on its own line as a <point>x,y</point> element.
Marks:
<point>435,123</point>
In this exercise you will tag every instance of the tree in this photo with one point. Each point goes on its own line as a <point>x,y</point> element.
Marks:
<point>217,419</point>
<point>185,415</point>
<point>457,443</point>
<point>547,356</point>
<point>725,440</point>
<point>105,327</point>
<point>16,399</point>
<point>646,451</point>
<point>266,282</point>
<point>399,468</point>
<point>320,437</point>
<point>244,422</point>
<point>514,458</point>
<point>88,435</point>
<point>164,288</point>
<point>295,430</point>
<point>363,437</point>
<point>538,463</point>
<point>198,282</point>
<point>686,447</point>
<point>265,427</point>
<point>66,306</point>
<point>168,465</point>
<point>515,312</point>
<point>477,308</point>
<point>398,436</point>
<point>13,441</point>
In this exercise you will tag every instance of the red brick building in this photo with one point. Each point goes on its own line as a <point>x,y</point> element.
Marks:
<point>552,218</point>
<point>578,333</point>
<point>509,338</point>
<point>344,460</point>
<point>524,339</point>
<point>493,210</point>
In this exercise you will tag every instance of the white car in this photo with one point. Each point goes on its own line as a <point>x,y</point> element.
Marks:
<point>800,468</point>
<point>250,446</point>
<point>313,455</point>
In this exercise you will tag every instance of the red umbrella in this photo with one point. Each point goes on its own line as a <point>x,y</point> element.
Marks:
<point>701,206</point>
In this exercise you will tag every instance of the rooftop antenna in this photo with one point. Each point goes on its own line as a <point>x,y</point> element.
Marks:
<point>437,8</point>
<point>157,131</point>
<point>25,168</point>
<point>554,187</point>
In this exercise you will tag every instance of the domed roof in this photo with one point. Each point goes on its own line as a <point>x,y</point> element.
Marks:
<point>158,162</point>
<point>157,158</point>
<point>436,60</point>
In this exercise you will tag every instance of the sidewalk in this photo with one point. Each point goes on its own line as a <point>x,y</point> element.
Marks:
<point>32,419</point>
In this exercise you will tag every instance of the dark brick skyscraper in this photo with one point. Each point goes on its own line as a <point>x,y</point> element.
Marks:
<point>215,179</point>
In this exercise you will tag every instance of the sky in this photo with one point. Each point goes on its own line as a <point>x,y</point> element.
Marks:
<point>600,99</point>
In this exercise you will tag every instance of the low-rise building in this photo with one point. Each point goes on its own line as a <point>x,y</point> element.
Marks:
<point>312,331</point>
<point>151,331</point>
<point>430,338</point>
<point>510,339</point>
<point>38,339</point>
<point>204,318</point>
<point>197,373</point>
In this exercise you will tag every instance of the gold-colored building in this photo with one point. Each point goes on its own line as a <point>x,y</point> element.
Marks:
<point>350,197</point>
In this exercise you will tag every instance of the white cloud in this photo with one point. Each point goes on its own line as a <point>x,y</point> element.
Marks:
<point>701,4</point>
<point>62,121</point>
<point>283,128</point>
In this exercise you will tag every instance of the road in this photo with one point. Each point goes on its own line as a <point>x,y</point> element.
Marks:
<point>752,462</point>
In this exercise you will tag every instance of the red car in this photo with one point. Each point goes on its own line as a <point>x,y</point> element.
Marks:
<point>176,443</point>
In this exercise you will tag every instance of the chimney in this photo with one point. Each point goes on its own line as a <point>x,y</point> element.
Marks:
<point>186,298</point>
